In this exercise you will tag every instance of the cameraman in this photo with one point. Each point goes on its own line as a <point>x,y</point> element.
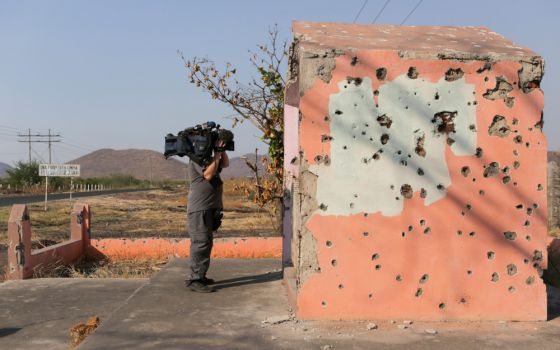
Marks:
<point>204,215</point>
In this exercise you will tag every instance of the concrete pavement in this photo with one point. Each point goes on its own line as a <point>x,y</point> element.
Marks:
<point>38,313</point>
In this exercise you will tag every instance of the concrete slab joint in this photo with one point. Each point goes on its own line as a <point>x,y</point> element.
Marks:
<point>421,172</point>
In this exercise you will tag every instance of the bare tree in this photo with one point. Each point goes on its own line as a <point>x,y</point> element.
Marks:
<point>261,102</point>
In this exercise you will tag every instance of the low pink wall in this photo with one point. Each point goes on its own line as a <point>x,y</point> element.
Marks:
<point>251,247</point>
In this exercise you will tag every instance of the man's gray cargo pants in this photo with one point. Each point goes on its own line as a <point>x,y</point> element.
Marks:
<point>200,225</point>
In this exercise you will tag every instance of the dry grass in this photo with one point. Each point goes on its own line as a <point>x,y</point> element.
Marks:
<point>93,268</point>
<point>156,213</point>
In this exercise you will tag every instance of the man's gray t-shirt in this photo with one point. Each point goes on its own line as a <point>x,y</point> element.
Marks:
<point>203,194</point>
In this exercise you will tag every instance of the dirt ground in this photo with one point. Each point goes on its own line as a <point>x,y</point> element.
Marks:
<point>155,213</point>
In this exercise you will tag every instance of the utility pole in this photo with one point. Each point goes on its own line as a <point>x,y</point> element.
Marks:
<point>36,138</point>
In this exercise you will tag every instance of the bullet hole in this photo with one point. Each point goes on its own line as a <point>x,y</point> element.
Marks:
<point>377,155</point>
<point>354,60</point>
<point>365,160</point>
<point>403,162</point>
<point>530,280</point>
<point>355,81</point>
<point>444,121</point>
<point>440,187</point>
<point>529,211</point>
<point>474,179</point>
<point>419,293</point>
<point>422,222</point>
<point>436,96</point>
<point>365,233</point>
<point>412,73</point>
<point>410,228</point>
<point>328,244</point>
<point>479,152</point>
<point>481,192</point>
<point>450,141</point>
<point>539,187</point>
<point>472,234</point>
<point>537,256</point>
<point>423,193</point>
<point>392,187</point>
<point>323,206</point>
<point>340,286</point>
<point>427,230</point>
<point>462,301</point>
<point>419,149</point>
<point>454,74</point>
<point>399,152</point>
<point>492,169</point>
<point>515,153</point>
<point>500,92</point>
<point>518,139</point>
<point>338,112</point>
<point>344,147</point>
<point>495,277</point>
<point>472,127</point>
<point>370,296</point>
<point>490,255</point>
<point>510,235</point>
<point>326,138</point>
<point>375,256</point>
<point>506,179</point>
<point>384,138</point>
<point>424,278</point>
<point>514,183</point>
<point>535,205</point>
<point>499,127</point>
<point>318,158</point>
<point>519,206</point>
<point>469,272</point>
<point>327,118</point>
<point>384,120</point>
<point>511,289</point>
<point>486,79</point>
<point>420,172</point>
<point>351,205</point>
<point>511,269</point>
<point>526,261</point>
<point>378,267</point>
<point>399,278</point>
<point>376,92</point>
<point>469,207</point>
<point>406,191</point>
<point>516,164</point>
<point>527,144</point>
<point>441,306</point>
<point>381,73</point>
<point>403,234</point>
<point>462,213</point>
<point>365,215</point>
<point>334,262</point>
<point>459,233</point>
<point>323,303</point>
<point>527,223</point>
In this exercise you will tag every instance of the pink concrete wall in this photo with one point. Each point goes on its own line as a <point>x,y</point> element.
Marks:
<point>455,258</point>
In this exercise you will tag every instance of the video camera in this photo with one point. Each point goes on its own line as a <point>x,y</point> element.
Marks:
<point>198,142</point>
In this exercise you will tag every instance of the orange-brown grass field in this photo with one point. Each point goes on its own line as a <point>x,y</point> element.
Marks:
<point>154,213</point>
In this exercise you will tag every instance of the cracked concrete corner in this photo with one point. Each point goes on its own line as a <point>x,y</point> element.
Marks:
<point>307,250</point>
<point>315,63</point>
<point>531,74</point>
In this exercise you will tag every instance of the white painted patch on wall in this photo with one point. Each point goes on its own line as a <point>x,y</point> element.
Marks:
<point>372,157</point>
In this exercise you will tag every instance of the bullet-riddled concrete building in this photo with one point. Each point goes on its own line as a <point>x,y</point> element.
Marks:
<point>415,172</point>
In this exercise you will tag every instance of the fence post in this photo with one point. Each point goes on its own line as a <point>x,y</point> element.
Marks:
<point>19,243</point>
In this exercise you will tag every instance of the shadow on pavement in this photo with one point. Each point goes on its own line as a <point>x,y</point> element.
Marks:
<point>245,280</point>
<point>8,331</point>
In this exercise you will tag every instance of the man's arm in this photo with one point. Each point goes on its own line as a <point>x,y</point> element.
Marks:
<point>225,160</point>
<point>212,168</point>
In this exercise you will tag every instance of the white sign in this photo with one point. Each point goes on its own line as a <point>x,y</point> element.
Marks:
<point>66,170</point>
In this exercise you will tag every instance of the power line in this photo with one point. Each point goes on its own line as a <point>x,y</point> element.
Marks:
<point>380,11</point>
<point>360,12</point>
<point>30,140</point>
<point>411,12</point>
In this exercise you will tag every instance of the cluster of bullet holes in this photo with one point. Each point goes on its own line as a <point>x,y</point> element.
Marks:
<point>499,127</point>
<point>500,92</point>
<point>491,169</point>
<point>406,191</point>
<point>444,122</point>
<point>354,60</point>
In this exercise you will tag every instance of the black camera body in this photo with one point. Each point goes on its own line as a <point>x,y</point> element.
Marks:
<point>198,142</point>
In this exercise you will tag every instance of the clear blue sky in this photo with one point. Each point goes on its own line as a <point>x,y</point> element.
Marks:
<point>105,74</point>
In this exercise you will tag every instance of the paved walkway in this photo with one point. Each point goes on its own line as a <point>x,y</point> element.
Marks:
<point>162,314</point>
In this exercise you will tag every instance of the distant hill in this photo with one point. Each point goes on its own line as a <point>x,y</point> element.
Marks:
<point>3,168</point>
<point>146,164</point>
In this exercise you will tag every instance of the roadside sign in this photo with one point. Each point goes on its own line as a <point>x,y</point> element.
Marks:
<point>66,170</point>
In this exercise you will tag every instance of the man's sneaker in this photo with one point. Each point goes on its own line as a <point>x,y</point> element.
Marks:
<point>200,287</point>
<point>208,281</point>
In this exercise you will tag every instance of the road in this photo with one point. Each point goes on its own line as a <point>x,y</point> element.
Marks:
<point>7,201</point>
